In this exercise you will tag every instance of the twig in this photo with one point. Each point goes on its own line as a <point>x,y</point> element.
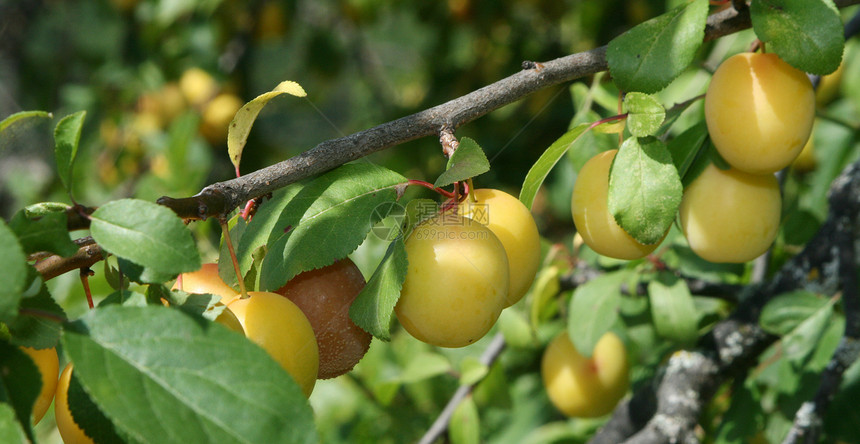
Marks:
<point>441,424</point>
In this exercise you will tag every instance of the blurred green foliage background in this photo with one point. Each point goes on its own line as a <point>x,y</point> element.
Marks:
<point>160,80</point>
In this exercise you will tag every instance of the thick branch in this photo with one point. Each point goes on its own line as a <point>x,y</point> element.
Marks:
<point>223,197</point>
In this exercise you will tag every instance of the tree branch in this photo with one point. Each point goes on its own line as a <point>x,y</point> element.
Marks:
<point>440,425</point>
<point>222,197</point>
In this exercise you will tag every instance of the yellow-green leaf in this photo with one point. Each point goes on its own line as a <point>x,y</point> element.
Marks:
<point>240,127</point>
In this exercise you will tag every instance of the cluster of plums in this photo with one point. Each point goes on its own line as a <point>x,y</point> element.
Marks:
<point>759,113</point>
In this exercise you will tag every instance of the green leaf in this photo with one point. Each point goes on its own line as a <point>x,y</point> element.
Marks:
<point>538,172</point>
<point>48,232</point>
<point>38,324</point>
<point>544,289</point>
<point>644,114</point>
<point>644,189</point>
<point>11,431</point>
<point>593,310</point>
<point>787,311</point>
<point>472,370</point>
<point>373,307</point>
<point>261,231</point>
<point>672,309</point>
<point>45,208</point>
<point>807,34</point>
<point>21,116</point>
<point>652,54</point>
<point>465,425</point>
<point>20,384</point>
<point>67,136</point>
<point>687,146</point>
<point>193,380</point>
<point>147,234</point>
<point>467,161</point>
<point>423,366</point>
<point>87,415</point>
<point>13,262</point>
<point>327,220</point>
<point>516,329</point>
<point>240,127</point>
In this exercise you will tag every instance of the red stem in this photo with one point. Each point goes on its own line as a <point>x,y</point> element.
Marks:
<point>430,186</point>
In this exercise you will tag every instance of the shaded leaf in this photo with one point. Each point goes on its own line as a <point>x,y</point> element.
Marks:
<point>87,415</point>
<point>11,431</point>
<point>673,310</point>
<point>472,370</point>
<point>240,127</point>
<point>67,136</point>
<point>147,234</point>
<point>424,366</point>
<point>593,310</point>
<point>21,116</point>
<point>653,53</point>
<point>644,189</point>
<point>195,380</point>
<point>38,323</point>
<point>467,161</point>
<point>13,262</point>
<point>538,172</point>
<point>46,232</point>
<point>787,311</point>
<point>807,34</point>
<point>687,146</point>
<point>465,425</point>
<point>373,307</point>
<point>20,384</point>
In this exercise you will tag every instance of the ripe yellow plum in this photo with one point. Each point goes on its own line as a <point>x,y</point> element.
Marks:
<point>48,363</point>
<point>279,326</point>
<point>206,280</point>
<point>197,86</point>
<point>585,387</point>
<point>590,208</point>
<point>217,115</point>
<point>514,225</point>
<point>66,425</point>
<point>729,215</point>
<point>456,283</point>
<point>324,295</point>
<point>759,111</point>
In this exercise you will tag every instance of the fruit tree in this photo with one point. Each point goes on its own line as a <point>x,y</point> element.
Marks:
<point>367,221</point>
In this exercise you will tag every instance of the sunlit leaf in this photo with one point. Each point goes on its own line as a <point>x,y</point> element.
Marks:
<point>373,308</point>
<point>194,380</point>
<point>240,127</point>
<point>649,56</point>
<point>644,114</point>
<point>67,136</point>
<point>807,34</point>
<point>644,189</point>
<point>326,220</point>
<point>538,172</point>
<point>467,161</point>
<point>147,234</point>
